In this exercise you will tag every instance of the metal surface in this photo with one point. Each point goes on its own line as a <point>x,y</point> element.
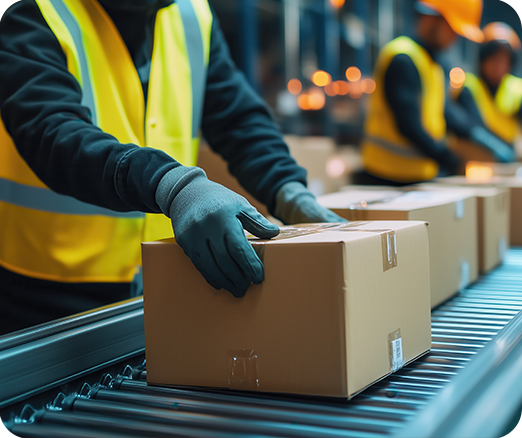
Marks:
<point>36,359</point>
<point>463,382</point>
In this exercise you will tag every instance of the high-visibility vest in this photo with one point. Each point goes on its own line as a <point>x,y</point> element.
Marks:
<point>54,237</point>
<point>386,152</point>
<point>500,112</point>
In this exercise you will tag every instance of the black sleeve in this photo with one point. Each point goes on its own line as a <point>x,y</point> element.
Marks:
<point>457,119</point>
<point>467,103</point>
<point>40,103</point>
<point>238,125</point>
<point>403,91</point>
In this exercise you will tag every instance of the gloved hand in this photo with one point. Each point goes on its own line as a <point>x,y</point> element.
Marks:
<point>502,151</point>
<point>295,204</point>
<point>208,221</point>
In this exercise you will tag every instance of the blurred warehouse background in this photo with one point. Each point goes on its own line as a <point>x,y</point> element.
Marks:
<point>285,47</point>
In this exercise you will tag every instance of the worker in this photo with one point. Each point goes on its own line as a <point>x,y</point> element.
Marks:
<point>102,105</point>
<point>493,97</point>
<point>409,114</point>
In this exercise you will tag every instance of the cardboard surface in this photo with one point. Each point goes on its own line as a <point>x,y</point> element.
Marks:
<point>332,316</point>
<point>493,221</point>
<point>452,232</point>
<point>513,184</point>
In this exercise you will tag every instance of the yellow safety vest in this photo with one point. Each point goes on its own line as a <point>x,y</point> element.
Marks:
<point>499,113</point>
<point>386,152</point>
<point>53,237</point>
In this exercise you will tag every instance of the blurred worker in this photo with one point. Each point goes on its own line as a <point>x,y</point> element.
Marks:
<point>493,98</point>
<point>409,115</point>
<point>102,104</point>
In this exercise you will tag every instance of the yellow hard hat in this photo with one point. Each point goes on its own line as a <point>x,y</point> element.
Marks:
<point>502,33</point>
<point>463,16</point>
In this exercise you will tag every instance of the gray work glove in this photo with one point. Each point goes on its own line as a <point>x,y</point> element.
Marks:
<point>208,221</point>
<point>295,204</point>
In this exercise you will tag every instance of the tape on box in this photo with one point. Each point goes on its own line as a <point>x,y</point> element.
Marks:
<point>388,238</point>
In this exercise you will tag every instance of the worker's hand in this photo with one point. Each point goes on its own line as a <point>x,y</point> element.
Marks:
<point>295,204</point>
<point>208,221</point>
<point>501,151</point>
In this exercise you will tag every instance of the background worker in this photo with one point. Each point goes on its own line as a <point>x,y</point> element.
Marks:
<point>102,105</point>
<point>493,98</point>
<point>409,114</point>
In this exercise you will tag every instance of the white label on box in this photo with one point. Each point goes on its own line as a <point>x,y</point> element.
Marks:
<point>502,246</point>
<point>464,274</point>
<point>459,209</point>
<point>397,358</point>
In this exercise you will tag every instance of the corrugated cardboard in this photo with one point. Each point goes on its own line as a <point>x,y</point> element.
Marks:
<point>452,231</point>
<point>326,321</point>
<point>514,185</point>
<point>493,221</point>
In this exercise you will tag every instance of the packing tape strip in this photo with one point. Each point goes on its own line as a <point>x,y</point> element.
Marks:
<point>242,370</point>
<point>395,354</point>
<point>388,238</point>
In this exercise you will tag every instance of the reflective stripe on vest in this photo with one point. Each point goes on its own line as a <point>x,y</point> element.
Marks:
<point>386,152</point>
<point>499,113</point>
<point>55,237</point>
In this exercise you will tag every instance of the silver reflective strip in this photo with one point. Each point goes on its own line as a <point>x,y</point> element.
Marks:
<point>394,148</point>
<point>196,55</point>
<point>38,198</point>
<point>76,34</point>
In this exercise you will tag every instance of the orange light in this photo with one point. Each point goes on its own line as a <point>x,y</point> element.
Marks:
<point>457,77</point>
<point>337,3</point>
<point>332,89</point>
<point>368,86</point>
<point>479,173</point>
<point>317,99</point>
<point>355,90</point>
<point>295,86</point>
<point>353,74</point>
<point>303,102</point>
<point>344,88</point>
<point>321,78</point>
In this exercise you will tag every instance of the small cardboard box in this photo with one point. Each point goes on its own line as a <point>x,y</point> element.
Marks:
<point>341,307</point>
<point>513,184</point>
<point>493,221</point>
<point>452,231</point>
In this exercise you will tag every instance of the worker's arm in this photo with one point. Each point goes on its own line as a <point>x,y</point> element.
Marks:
<point>464,119</point>
<point>403,90</point>
<point>238,125</point>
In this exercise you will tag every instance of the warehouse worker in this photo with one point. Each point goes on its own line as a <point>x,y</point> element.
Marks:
<point>102,104</point>
<point>493,98</point>
<point>408,115</point>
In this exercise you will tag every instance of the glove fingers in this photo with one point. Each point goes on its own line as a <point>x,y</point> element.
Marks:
<point>244,255</point>
<point>237,278</point>
<point>255,223</point>
<point>201,266</point>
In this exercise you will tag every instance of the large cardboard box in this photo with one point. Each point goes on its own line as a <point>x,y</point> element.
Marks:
<point>339,309</point>
<point>513,184</point>
<point>452,232</point>
<point>493,221</point>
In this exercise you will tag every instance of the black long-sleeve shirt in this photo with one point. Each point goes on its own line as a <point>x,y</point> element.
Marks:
<point>40,103</point>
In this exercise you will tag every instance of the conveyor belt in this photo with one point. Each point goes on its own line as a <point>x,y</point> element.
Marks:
<point>461,328</point>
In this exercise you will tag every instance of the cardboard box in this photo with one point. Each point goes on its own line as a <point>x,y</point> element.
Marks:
<point>340,308</point>
<point>452,231</point>
<point>315,154</point>
<point>493,221</point>
<point>514,185</point>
